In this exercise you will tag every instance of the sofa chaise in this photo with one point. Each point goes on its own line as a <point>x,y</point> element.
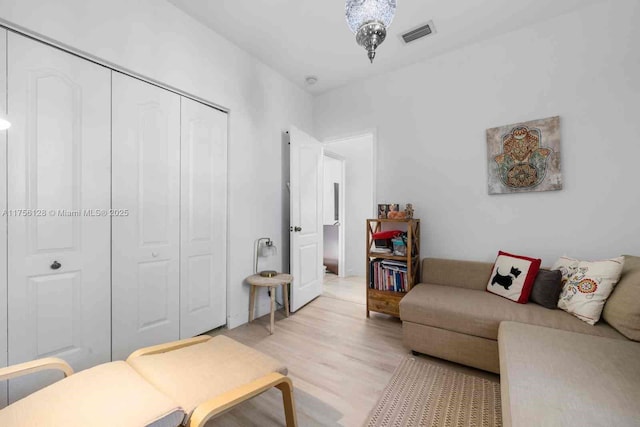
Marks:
<point>554,368</point>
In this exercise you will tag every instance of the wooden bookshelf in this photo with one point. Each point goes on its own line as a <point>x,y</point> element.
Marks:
<point>388,301</point>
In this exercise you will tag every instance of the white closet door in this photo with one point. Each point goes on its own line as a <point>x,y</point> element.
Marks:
<point>3,219</point>
<point>58,169</point>
<point>203,250</point>
<point>146,242</point>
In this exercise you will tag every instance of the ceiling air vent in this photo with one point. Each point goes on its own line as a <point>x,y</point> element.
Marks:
<point>418,33</point>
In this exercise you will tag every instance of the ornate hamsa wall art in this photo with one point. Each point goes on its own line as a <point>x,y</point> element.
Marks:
<point>524,157</point>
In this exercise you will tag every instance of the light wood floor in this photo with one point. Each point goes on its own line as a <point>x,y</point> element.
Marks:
<point>339,362</point>
<point>345,288</point>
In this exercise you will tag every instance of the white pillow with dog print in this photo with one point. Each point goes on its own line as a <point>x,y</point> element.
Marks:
<point>587,285</point>
<point>513,276</point>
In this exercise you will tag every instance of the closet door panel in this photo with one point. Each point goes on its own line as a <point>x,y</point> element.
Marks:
<point>204,212</point>
<point>58,201</point>
<point>3,219</point>
<point>146,187</point>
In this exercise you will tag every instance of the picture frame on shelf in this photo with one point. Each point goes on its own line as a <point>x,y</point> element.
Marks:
<point>383,211</point>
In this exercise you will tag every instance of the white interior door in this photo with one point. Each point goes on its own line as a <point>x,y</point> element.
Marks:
<point>3,219</point>
<point>58,171</point>
<point>306,193</point>
<point>203,246</point>
<point>146,241</point>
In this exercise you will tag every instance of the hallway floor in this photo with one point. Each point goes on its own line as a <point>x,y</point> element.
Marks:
<point>350,289</point>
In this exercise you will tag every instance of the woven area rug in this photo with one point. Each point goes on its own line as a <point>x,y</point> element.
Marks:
<point>422,393</point>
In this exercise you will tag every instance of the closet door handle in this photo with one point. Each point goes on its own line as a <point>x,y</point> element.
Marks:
<point>56,265</point>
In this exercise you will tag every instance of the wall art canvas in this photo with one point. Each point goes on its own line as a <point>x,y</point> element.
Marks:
<point>524,157</point>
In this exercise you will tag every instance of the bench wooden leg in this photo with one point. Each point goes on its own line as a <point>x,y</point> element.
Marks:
<point>220,404</point>
<point>286,387</point>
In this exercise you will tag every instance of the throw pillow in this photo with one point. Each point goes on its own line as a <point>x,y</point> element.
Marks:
<point>622,310</point>
<point>587,285</point>
<point>547,288</point>
<point>512,276</point>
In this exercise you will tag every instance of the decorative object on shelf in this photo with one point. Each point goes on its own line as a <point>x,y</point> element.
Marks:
<point>369,20</point>
<point>4,122</point>
<point>400,245</point>
<point>383,210</point>
<point>397,215</point>
<point>408,210</point>
<point>264,247</point>
<point>524,157</point>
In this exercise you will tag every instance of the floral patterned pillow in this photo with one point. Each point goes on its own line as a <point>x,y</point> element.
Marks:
<point>587,285</point>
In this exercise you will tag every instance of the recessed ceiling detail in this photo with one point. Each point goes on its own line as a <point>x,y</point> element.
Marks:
<point>422,31</point>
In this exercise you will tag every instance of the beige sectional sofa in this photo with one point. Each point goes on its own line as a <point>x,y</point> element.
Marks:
<point>550,377</point>
<point>555,369</point>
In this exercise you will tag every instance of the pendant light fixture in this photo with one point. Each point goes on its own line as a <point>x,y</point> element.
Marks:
<point>369,20</point>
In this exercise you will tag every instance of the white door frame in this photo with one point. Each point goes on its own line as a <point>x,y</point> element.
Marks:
<point>341,213</point>
<point>373,132</point>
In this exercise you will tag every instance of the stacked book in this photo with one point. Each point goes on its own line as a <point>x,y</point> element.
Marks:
<point>388,275</point>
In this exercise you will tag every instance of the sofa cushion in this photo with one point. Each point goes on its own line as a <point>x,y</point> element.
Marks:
<point>461,274</point>
<point>557,378</point>
<point>479,313</point>
<point>587,285</point>
<point>512,276</point>
<point>622,310</point>
<point>195,374</point>
<point>107,395</point>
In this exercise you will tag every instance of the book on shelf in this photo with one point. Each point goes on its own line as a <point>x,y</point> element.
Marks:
<point>375,250</point>
<point>388,275</point>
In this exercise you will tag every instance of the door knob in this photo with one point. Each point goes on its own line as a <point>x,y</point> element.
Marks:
<point>155,254</point>
<point>56,265</point>
<point>296,228</point>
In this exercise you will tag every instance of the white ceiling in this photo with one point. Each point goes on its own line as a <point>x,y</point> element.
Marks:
<point>300,38</point>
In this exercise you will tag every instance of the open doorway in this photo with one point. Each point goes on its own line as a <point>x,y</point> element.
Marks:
<point>350,163</point>
<point>333,215</point>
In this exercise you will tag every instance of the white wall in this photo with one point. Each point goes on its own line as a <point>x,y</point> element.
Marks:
<point>358,191</point>
<point>157,40</point>
<point>431,120</point>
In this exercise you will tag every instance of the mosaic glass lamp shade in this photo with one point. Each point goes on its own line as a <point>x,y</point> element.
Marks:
<point>369,20</point>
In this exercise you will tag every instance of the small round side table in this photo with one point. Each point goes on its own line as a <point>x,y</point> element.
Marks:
<point>272,283</point>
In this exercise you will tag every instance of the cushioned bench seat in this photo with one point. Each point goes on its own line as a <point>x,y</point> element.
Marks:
<point>479,313</point>
<point>550,377</point>
<point>97,397</point>
<point>191,375</point>
<point>185,382</point>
